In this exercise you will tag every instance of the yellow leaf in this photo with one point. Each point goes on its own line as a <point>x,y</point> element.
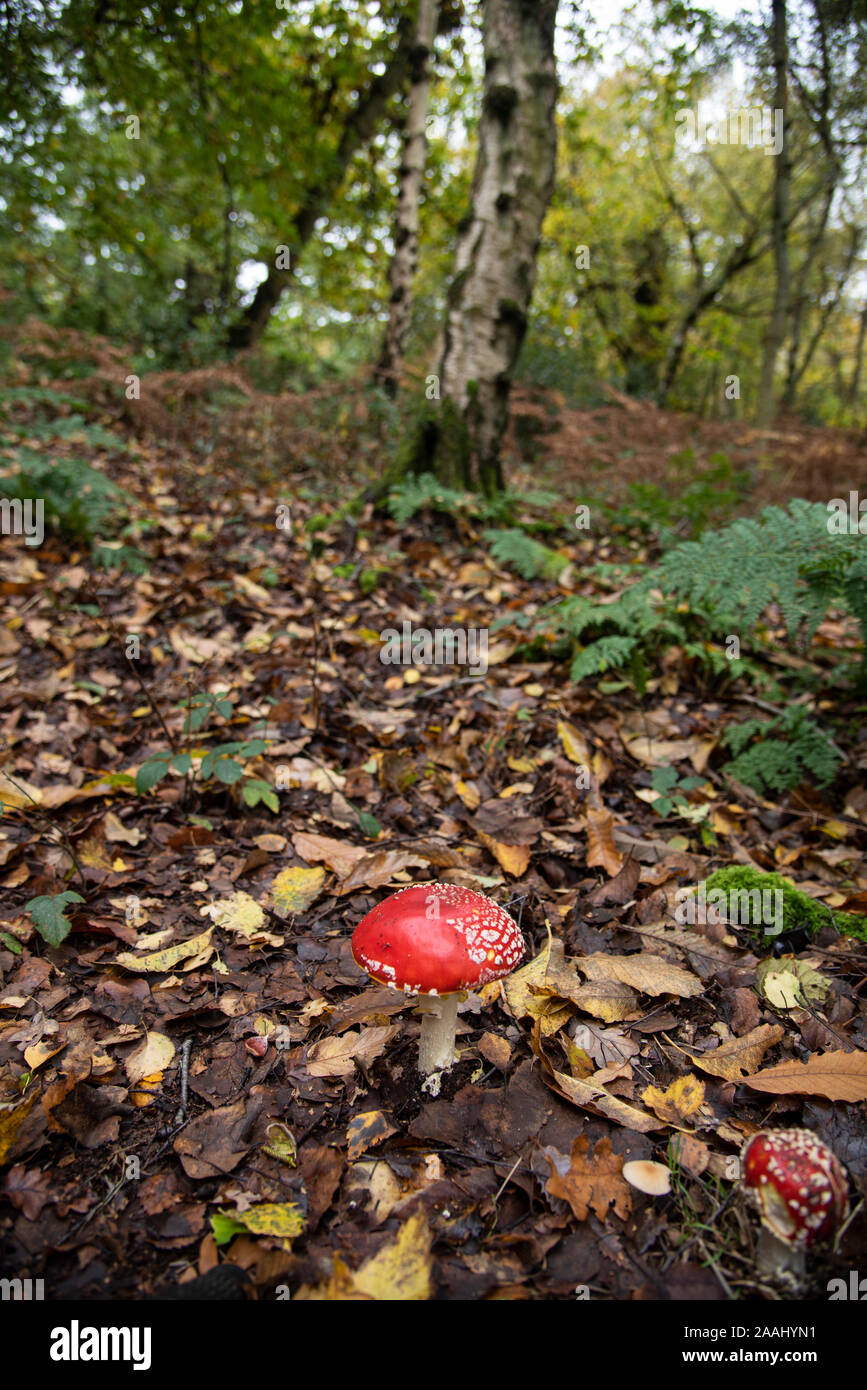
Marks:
<point>522,765</point>
<point>837,829</point>
<point>145,1090</point>
<point>400,1272</point>
<point>281,1219</point>
<point>469,794</point>
<point>782,989</point>
<point>575,745</point>
<point>239,912</point>
<point>12,1118</point>
<point>163,961</point>
<point>681,1099</point>
<point>17,794</point>
<point>40,1052</point>
<point>294,890</point>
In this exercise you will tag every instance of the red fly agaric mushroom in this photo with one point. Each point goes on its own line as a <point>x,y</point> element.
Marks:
<point>437,939</point>
<point>801,1191</point>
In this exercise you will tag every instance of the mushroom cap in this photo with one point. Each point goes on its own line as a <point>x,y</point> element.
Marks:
<point>436,938</point>
<point>647,1176</point>
<point>798,1184</point>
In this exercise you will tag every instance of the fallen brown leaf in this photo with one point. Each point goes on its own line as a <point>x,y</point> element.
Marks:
<point>592,1184</point>
<point>835,1075</point>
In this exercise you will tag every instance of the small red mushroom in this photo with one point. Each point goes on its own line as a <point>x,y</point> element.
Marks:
<point>801,1191</point>
<point>437,939</point>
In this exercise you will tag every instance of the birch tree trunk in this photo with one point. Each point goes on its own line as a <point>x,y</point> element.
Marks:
<point>776,329</point>
<point>401,272</point>
<point>458,436</point>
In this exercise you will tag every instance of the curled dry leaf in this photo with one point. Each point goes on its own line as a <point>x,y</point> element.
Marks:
<point>607,1046</point>
<point>336,855</point>
<point>379,867</point>
<point>601,849</point>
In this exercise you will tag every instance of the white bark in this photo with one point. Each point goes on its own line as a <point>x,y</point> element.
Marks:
<point>495,261</point>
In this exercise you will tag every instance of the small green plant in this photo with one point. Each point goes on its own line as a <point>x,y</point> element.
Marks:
<point>684,505</point>
<point>78,499</point>
<point>700,1202</point>
<point>671,788</point>
<point>223,763</point>
<point>424,492</point>
<point>48,915</point>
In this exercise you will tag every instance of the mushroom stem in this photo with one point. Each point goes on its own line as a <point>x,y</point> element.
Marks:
<point>436,1049</point>
<point>778,1259</point>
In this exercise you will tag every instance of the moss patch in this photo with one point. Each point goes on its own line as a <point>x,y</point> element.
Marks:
<point>799,910</point>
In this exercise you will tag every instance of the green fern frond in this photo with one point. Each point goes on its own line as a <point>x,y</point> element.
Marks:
<point>606,653</point>
<point>788,748</point>
<point>530,558</point>
<point>788,557</point>
<point>418,493</point>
